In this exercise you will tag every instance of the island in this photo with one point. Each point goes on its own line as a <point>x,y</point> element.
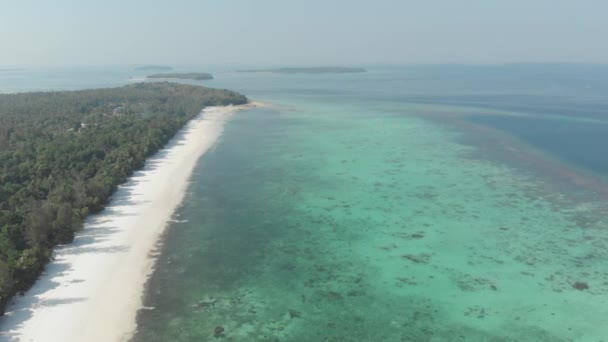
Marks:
<point>309,70</point>
<point>198,76</point>
<point>65,153</point>
<point>153,67</point>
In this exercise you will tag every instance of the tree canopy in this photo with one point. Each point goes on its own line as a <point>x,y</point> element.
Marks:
<point>63,154</point>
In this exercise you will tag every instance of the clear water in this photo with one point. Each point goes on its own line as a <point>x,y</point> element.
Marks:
<point>352,209</point>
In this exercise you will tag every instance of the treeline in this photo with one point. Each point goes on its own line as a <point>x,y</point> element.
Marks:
<point>62,154</point>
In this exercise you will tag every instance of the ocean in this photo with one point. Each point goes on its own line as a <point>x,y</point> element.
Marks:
<point>407,203</point>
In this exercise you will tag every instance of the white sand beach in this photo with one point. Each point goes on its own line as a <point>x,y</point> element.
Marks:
<point>93,288</point>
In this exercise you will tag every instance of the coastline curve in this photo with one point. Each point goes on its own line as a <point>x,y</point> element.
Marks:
<point>93,288</point>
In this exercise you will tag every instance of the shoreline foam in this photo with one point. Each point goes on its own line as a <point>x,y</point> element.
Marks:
<point>94,287</point>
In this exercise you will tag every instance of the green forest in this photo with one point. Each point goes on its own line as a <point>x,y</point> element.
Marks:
<point>63,154</point>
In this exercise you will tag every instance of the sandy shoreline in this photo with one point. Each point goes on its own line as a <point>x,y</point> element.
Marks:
<point>93,288</point>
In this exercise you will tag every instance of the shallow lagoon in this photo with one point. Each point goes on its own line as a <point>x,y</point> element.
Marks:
<point>326,221</point>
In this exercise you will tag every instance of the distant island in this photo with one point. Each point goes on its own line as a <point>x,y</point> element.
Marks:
<point>185,76</point>
<point>309,70</point>
<point>153,67</point>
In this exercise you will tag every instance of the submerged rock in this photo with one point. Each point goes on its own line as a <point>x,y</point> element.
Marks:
<point>218,331</point>
<point>418,259</point>
<point>294,313</point>
<point>204,304</point>
<point>579,285</point>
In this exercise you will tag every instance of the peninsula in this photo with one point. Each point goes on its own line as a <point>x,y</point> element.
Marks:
<point>309,70</point>
<point>198,76</point>
<point>64,157</point>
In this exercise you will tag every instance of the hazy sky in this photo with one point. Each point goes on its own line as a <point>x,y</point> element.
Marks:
<point>249,32</point>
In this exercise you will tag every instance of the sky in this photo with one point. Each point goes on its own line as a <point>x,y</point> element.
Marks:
<point>307,32</point>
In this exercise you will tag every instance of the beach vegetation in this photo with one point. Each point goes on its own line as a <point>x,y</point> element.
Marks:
<point>63,154</point>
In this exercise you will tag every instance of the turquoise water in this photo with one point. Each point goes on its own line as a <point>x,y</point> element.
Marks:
<point>369,207</point>
<point>325,218</point>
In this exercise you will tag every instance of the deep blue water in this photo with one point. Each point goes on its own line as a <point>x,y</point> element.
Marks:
<point>578,143</point>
